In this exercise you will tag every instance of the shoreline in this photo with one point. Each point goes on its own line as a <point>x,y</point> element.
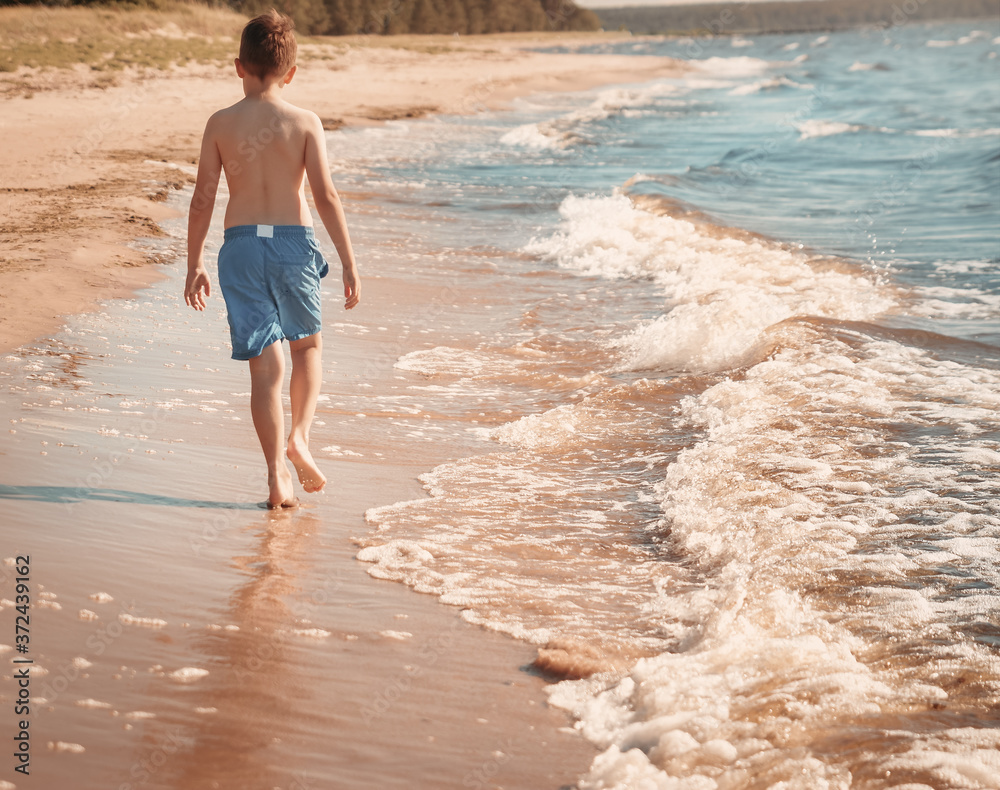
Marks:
<point>85,164</point>
<point>628,443</point>
<point>199,618</point>
<point>241,596</point>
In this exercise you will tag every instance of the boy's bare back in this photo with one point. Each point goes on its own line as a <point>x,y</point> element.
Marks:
<point>266,148</point>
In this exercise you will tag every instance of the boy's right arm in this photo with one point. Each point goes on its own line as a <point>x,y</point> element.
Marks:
<point>197,285</point>
<point>330,209</point>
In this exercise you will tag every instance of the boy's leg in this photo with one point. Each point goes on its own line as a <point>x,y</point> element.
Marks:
<point>267,373</point>
<point>307,377</point>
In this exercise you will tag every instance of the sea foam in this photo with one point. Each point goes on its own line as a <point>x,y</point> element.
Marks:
<point>721,292</point>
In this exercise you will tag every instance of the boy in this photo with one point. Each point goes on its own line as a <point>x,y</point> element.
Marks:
<point>269,264</point>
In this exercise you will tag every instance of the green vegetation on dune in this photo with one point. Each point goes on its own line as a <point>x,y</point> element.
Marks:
<point>379,17</point>
<point>157,34</point>
<point>108,53</point>
<point>113,37</point>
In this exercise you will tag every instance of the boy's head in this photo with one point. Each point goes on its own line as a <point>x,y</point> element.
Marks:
<point>268,46</point>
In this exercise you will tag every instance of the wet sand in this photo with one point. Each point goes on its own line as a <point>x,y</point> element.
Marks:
<point>240,648</point>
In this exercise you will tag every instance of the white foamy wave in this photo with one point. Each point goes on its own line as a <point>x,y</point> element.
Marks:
<point>818,128</point>
<point>721,292</point>
<point>822,128</point>
<point>562,132</point>
<point>742,66</point>
<point>148,622</point>
<point>549,429</point>
<point>975,35</point>
<point>494,537</point>
<point>533,135</point>
<point>458,362</point>
<point>810,542</point>
<point>859,66</point>
<point>936,133</point>
<point>64,746</point>
<point>707,83</point>
<point>967,133</point>
<point>375,184</point>
<point>188,674</point>
<point>766,85</point>
<point>805,523</point>
<point>967,303</point>
<point>740,42</point>
<point>721,334</point>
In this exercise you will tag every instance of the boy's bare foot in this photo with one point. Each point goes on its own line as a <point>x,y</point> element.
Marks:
<point>310,477</point>
<point>280,492</point>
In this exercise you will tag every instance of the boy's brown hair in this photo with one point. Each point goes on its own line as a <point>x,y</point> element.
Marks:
<point>268,45</point>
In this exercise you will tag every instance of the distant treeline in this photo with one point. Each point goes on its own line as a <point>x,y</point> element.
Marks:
<point>790,17</point>
<point>378,17</point>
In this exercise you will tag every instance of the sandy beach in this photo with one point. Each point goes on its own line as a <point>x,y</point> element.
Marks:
<point>86,169</point>
<point>661,452</point>
<point>181,636</point>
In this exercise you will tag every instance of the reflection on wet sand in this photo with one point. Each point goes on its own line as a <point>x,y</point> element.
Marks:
<point>253,687</point>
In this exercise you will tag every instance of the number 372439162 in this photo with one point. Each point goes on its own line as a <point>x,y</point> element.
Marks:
<point>23,602</point>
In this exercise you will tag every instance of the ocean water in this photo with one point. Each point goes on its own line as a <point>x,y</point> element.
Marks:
<point>717,361</point>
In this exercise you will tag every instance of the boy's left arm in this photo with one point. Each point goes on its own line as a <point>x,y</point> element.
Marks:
<point>329,207</point>
<point>197,285</point>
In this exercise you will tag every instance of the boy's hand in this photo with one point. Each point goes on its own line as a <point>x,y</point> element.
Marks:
<point>352,287</point>
<point>197,288</point>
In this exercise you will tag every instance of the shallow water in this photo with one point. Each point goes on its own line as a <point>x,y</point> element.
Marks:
<point>741,379</point>
<point>183,637</point>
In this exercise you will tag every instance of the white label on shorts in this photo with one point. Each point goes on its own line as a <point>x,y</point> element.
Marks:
<point>265,231</point>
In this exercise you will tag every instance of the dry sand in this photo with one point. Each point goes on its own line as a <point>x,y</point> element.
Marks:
<point>85,169</point>
<point>317,676</point>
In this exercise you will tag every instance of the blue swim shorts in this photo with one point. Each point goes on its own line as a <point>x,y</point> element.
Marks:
<point>269,275</point>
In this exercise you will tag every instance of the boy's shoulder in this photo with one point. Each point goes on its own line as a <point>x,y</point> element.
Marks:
<point>304,116</point>
<point>283,110</point>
